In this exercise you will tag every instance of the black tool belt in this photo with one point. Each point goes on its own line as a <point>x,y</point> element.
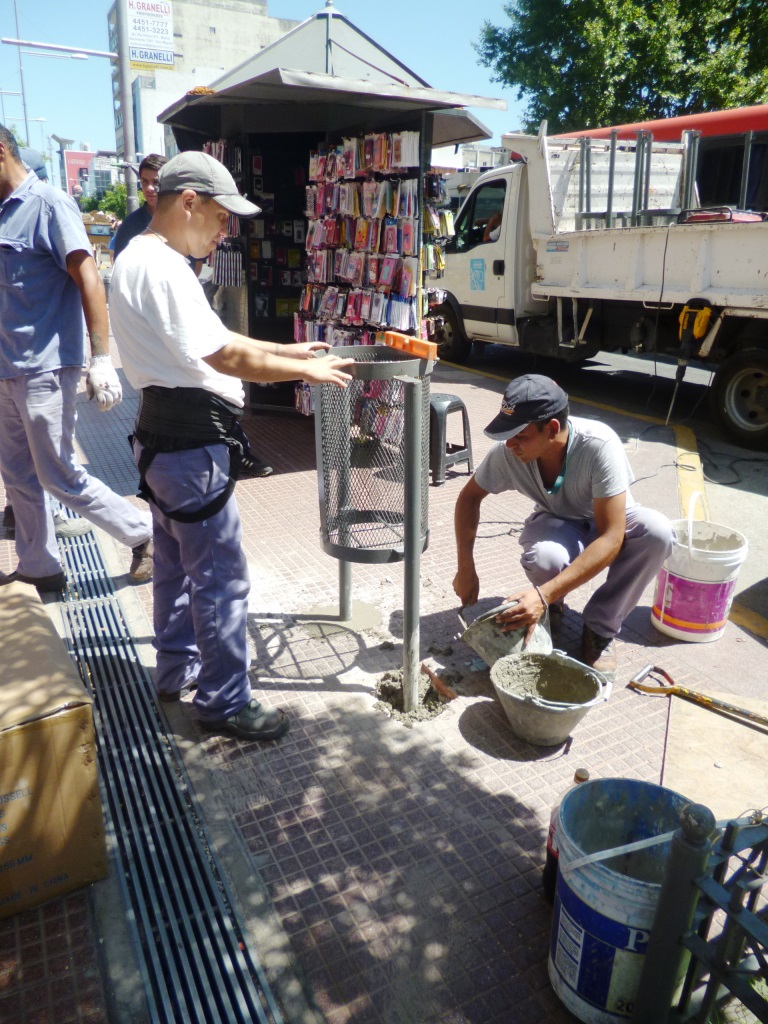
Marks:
<point>177,419</point>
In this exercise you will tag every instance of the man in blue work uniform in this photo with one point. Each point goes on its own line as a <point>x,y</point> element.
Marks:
<point>64,526</point>
<point>50,292</point>
<point>189,369</point>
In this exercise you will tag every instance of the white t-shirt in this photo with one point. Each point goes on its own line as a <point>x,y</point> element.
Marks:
<point>596,467</point>
<point>163,324</point>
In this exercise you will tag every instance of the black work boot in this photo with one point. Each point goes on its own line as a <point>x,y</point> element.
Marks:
<point>253,722</point>
<point>9,522</point>
<point>599,653</point>
<point>250,465</point>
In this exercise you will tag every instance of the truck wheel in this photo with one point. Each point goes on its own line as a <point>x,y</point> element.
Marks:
<point>739,398</point>
<point>452,345</point>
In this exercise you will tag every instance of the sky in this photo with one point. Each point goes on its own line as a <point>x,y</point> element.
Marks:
<point>72,98</point>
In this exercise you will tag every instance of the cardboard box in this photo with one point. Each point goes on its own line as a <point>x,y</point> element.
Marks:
<point>51,822</point>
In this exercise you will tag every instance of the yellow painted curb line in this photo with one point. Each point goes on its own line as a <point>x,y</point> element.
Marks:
<point>690,481</point>
<point>690,475</point>
<point>749,620</point>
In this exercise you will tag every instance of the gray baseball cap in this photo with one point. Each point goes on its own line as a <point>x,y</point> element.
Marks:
<point>206,176</point>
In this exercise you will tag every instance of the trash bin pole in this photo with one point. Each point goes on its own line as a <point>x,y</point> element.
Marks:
<point>345,590</point>
<point>412,542</point>
<point>320,395</point>
<point>345,493</point>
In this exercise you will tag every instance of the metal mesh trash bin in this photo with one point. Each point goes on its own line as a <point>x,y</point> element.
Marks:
<point>361,455</point>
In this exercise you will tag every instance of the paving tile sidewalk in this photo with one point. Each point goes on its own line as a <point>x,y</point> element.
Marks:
<point>403,864</point>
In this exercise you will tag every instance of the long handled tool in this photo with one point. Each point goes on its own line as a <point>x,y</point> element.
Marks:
<point>673,690</point>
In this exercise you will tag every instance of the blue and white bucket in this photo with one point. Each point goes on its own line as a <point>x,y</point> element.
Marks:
<point>604,910</point>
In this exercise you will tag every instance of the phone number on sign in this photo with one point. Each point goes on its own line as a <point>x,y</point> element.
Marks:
<point>146,25</point>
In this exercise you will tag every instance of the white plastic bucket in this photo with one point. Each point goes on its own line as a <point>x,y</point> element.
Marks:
<point>604,910</point>
<point>696,584</point>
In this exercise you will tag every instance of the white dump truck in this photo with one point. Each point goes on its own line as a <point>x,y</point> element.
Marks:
<point>585,245</point>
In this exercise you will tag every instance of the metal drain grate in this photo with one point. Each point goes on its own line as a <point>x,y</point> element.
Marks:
<point>194,957</point>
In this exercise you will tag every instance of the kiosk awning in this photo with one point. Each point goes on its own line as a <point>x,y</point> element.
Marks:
<point>289,100</point>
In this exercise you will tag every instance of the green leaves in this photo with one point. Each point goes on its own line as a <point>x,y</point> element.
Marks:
<point>111,201</point>
<point>589,63</point>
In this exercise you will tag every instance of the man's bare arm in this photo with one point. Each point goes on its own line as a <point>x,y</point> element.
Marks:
<point>466,520</point>
<point>255,362</point>
<point>293,350</point>
<point>81,267</point>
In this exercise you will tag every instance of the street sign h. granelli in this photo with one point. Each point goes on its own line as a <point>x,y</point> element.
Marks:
<point>150,33</point>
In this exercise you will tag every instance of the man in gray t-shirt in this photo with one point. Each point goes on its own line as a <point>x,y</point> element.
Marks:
<point>584,518</point>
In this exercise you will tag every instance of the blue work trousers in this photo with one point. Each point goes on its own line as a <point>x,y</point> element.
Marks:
<point>200,582</point>
<point>38,414</point>
<point>550,544</point>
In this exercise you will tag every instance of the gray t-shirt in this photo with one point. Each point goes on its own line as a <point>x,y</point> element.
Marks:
<point>596,467</point>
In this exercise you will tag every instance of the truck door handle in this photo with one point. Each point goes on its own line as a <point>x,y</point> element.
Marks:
<point>498,267</point>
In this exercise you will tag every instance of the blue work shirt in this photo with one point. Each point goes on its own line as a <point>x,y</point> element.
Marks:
<point>42,326</point>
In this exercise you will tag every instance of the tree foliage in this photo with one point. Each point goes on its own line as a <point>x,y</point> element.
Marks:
<point>590,63</point>
<point>113,200</point>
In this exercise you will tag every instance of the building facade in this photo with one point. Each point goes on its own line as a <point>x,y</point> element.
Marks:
<point>195,42</point>
<point>83,172</point>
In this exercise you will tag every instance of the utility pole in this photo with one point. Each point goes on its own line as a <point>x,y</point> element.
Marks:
<point>21,75</point>
<point>126,105</point>
<point>124,78</point>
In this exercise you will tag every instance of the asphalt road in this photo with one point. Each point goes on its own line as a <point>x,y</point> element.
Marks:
<point>736,478</point>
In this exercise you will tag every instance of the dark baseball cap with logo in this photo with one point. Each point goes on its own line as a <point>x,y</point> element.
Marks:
<point>528,399</point>
<point>208,177</point>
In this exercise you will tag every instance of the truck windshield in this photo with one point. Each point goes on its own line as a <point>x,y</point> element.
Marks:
<point>479,221</point>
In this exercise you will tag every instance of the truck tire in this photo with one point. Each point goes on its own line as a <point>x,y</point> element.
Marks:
<point>739,398</point>
<point>452,343</point>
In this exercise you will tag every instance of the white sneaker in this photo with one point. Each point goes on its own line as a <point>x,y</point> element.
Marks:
<point>65,527</point>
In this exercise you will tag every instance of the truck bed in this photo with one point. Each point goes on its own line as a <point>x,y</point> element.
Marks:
<point>722,262</point>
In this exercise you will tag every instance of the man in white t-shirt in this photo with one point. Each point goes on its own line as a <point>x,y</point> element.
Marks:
<point>189,369</point>
<point>584,518</point>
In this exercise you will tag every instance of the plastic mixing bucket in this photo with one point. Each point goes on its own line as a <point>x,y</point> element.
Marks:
<point>696,584</point>
<point>604,911</point>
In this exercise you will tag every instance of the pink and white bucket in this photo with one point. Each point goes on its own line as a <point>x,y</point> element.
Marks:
<point>696,584</point>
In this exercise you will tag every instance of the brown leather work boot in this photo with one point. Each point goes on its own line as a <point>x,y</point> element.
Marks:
<point>141,562</point>
<point>599,653</point>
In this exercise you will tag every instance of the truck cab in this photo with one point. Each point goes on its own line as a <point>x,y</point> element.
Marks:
<point>488,267</point>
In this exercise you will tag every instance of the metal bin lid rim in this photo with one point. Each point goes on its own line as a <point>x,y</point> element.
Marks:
<point>381,362</point>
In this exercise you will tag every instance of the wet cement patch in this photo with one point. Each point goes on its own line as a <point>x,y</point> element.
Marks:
<point>327,622</point>
<point>389,690</point>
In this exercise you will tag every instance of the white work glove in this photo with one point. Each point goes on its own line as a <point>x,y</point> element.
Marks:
<point>102,383</point>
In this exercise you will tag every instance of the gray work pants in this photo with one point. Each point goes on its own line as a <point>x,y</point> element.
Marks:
<point>550,545</point>
<point>37,454</point>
